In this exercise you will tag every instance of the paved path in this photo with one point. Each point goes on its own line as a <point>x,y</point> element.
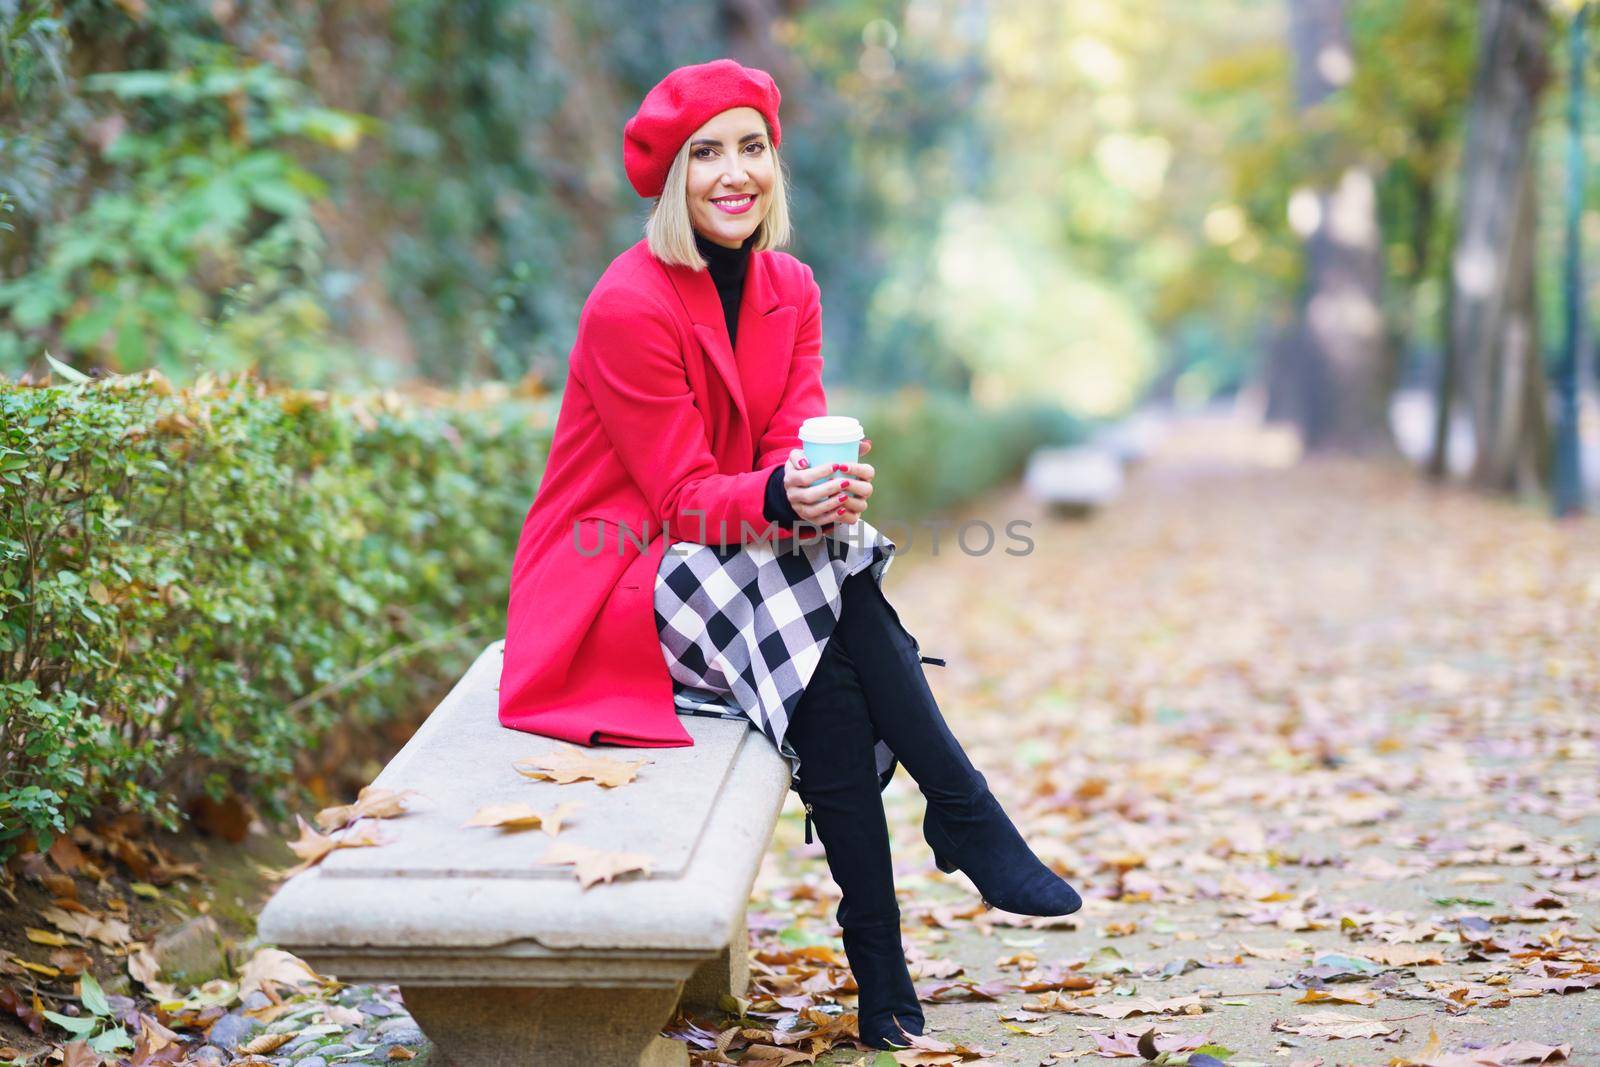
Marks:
<point>1298,733</point>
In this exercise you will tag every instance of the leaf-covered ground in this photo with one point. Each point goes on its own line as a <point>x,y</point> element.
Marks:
<point>1317,743</point>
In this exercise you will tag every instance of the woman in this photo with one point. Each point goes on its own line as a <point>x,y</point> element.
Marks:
<point>697,359</point>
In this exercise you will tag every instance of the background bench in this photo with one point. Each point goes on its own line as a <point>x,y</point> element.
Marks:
<point>502,960</point>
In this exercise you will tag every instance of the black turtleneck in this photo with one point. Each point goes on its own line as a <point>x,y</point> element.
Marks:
<point>727,269</point>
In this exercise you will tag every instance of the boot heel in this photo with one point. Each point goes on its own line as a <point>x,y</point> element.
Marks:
<point>1004,870</point>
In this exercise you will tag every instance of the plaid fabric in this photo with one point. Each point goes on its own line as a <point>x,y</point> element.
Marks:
<point>743,627</point>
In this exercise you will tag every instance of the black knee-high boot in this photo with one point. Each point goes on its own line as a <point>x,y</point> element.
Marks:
<point>964,824</point>
<point>832,734</point>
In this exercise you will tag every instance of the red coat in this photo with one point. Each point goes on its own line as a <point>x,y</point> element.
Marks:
<point>666,429</point>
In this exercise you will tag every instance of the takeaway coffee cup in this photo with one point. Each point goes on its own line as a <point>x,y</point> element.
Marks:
<point>830,439</point>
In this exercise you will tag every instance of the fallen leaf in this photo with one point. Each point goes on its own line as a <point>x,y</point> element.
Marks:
<point>594,865</point>
<point>313,847</point>
<point>1118,1045</point>
<point>79,1054</point>
<point>1189,1005</point>
<point>265,1043</point>
<point>1364,997</point>
<point>1404,955</point>
<point>112,932</point>
<point>371,803</point>
<point>927,1050</point>
<point>568,763</point>
<point>1334,1024</point>
<point>274,966</point>
<point>520,816</point>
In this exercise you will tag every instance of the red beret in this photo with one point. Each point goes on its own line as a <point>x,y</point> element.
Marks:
<point>681,103</point>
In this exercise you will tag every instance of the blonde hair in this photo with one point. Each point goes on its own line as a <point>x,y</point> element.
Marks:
<point>670,233</point>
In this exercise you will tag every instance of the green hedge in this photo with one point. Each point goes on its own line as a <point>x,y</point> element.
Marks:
<point>183,573</point>
<point>195,586</point>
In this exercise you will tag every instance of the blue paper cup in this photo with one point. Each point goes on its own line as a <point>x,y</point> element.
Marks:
<point>830,439</point>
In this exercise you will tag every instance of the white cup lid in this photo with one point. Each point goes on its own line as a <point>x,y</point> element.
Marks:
<point>831,430</point>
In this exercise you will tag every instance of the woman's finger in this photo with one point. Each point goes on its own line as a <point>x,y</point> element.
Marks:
<point>863,471</point>
<point>832,488</point>
<point>848,510</point>
<point>824,498</point>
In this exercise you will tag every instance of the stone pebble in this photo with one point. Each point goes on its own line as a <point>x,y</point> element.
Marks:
<point>232,1030</point>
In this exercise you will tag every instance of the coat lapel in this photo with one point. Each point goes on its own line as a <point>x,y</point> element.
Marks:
<point>763,323</point>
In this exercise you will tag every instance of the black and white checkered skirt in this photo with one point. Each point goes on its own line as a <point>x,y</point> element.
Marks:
<point>744,627</point>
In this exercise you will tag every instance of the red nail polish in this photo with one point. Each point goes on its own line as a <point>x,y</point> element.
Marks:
<point>838,466</point>
<point>844,484</point>
<point>841,511</point>
<point>802,463</point>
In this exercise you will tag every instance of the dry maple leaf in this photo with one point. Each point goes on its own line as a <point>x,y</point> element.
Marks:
<point>153,1037</point>
<point>38,968</point>
<point>265,1043</point>
<point>371,803</point>
<point>112,932</point>
<point>942,992</point>
<point>1500,1056</point>
<point>1052,1000</point>
<point>594,865</point>
<point>1189,1005</point>
<point>1040,1030</point>
<point>313,847</point>
<point>927,1050</point>
<point>66,855</point>
<point>1057,980</point>
<point>1335,1024</point>
<point>1404,955</point>
<point>79,1054</point>
<point>520,816</point>
<point>568,763</point>
<point>144,967</point>
<point>770,1055</point>
<point>1364,997</point>
<point>938,968</point>
<point>273,965</point>
<point>339,1015</point>
<point>1146,1046</point>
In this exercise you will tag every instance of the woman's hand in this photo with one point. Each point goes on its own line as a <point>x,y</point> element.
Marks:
<point>840,498</point>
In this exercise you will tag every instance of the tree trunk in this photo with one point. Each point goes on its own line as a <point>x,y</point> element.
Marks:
<point>1492,319</point>
<point>1338,359</point>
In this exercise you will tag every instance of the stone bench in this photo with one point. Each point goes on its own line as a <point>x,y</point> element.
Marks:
<point>502,960</point>
<point>1073,481</point>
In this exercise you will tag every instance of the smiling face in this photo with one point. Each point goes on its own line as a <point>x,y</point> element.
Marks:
<point>730,176</point>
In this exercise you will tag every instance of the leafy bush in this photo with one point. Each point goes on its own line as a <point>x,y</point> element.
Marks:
<point>194,586</point>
